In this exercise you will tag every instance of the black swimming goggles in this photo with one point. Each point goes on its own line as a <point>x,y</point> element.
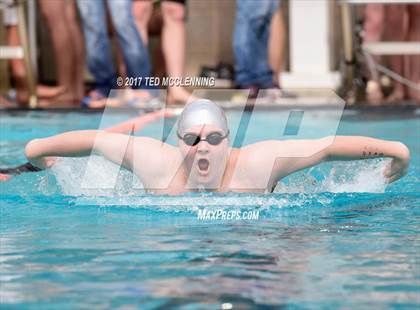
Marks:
<point>213,138</point>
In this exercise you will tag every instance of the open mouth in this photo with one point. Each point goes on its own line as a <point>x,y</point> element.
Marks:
<point>203,164</point>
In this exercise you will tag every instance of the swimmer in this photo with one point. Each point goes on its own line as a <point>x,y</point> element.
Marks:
<point>132,125</point>
<point>203,159</point>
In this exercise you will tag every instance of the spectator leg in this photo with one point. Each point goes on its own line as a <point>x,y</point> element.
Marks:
<point>250,43</point>
<point>78,50</point>
<point>173,46</point>
<point>54,13</point>
<point>413,61</point>
<point>276,45</point>
<point>142,11</point>
<point>135,53</point>
<point>374,27</point>
<point>97,43</point>
<point>396,30</point>
<point>19,74</point>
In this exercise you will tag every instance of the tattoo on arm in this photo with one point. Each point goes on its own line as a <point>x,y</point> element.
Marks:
<point>371,153</point>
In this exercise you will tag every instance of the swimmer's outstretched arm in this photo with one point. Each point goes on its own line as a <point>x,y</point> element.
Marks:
<point>79,143</point>
<point>41,153</point>
<point>135,124</point>
<point>351,148</point>
<point>294,155</point>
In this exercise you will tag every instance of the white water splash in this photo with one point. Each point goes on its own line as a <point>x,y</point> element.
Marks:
<point>70,172</point>
<point>365,178</point>
<point>193,203</point>
<point>341,177</point>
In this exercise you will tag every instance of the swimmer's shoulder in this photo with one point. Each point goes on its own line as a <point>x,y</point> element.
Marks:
<point>257,160</point>
<point>152,156</point>
<point>268,149</point>
<point>254,153</point>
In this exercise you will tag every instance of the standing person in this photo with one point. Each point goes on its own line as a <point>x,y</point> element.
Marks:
<point>276,45</point>
<point>67,42</point>
<point>98,47</point>
<point>258,44</point>
<point>173,39</point>
<point>394,22</point>
<point>412,62</point>
<point>402,23</point>
<point>373,28</point>
<point>18,70</point>
<point>396,17</point>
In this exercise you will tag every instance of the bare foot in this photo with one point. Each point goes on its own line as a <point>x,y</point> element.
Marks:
<point>129,98</point>
<point>374,94</point>
<point>4,103</point>
<point>375,98</point>
<point>94,100</point>
<point>63,100</point>
<point>106,102</point>
<point>44,91</point>
<point>138,94</point>
<point>97,103</point>
<point>397,95</point>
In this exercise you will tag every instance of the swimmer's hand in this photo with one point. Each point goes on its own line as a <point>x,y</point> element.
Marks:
<point>5,177</point>
<point>398,167</point>
<point>32,152</point>
<point>48,162</point>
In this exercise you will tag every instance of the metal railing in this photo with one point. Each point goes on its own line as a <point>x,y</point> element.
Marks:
<point>22,51</point>
<point>353,45</point>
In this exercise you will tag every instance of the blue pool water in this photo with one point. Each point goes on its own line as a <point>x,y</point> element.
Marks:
<point>331,237</point>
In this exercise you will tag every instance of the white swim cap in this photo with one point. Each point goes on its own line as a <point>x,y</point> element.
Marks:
<point>202,112</point>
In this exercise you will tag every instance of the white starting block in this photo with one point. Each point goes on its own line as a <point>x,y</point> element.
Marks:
<point>23,51</point>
